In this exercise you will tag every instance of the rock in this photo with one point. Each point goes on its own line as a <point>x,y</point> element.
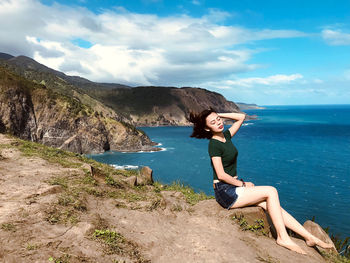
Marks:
<point>316,230</point>
<point>145,176</point>
<point>88,169</point>
<point>131,181</point>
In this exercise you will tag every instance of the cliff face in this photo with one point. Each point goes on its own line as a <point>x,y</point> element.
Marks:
<point>33,112</point>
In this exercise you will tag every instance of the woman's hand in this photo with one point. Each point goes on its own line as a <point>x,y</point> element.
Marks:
<point>249,184</point>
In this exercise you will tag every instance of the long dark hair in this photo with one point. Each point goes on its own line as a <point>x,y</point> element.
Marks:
<point>199,124</point>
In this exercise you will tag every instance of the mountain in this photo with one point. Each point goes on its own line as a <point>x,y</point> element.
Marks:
<point>5,56</point>
<point>61,83</point>
<point>157,106</point>
<point>34,112</point>
<point>246,106</point>
<point>33,70</point>
<point>140,106</point>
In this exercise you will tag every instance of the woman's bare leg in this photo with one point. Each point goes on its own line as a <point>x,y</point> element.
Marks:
<point>295,226</point>
<point>258,194</point>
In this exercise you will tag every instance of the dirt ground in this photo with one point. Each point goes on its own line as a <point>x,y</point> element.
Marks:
<point>34,228</point>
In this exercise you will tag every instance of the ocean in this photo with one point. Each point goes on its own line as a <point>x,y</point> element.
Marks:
<point>303,151</point>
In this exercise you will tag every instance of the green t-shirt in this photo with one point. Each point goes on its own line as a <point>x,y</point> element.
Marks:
<point>228,153</point>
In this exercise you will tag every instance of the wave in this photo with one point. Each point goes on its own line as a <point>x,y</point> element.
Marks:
<point>162,149</point>
<point>125,167</point>
<point>248,123</point>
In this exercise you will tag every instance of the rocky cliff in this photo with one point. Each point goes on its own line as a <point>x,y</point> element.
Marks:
<point>32,111</point>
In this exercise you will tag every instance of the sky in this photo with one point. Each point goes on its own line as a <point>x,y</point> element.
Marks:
<point>271,52</point>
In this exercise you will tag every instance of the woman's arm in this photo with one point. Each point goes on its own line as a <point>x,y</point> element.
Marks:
<point>222,176</point>
<point>238,117</point>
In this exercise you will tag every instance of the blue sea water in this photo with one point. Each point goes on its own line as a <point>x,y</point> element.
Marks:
<point>303,151</point>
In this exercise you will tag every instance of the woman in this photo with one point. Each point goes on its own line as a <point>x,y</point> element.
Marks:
<point>233,193</point>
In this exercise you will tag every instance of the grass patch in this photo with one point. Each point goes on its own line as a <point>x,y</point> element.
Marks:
<point>129,196</point>
<point>57,215</point>
<point>155,204</point>
<point>191,196</point>
<point>258,226</point>
<point>88,179</point>
<point>176,207</point>
<point>30,246</point>
<point>8,227</point>
<point>94,191</point>
<point>111,239</point>
<point>53,155</point>
<point>112,182</point>
<point>116,243</point>
<point>335,258</point>
<point>129,172</point>
<point>62,181</point>
<point>73,199</point>
<point>62,259</point>
<point>342,245</point>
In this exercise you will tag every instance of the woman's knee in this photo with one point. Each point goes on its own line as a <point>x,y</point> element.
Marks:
<point>272,191</point>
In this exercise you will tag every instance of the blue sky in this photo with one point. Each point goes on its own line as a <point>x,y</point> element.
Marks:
<point>264,52</point>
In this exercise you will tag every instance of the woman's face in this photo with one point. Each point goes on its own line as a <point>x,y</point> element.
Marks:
<point>214,123</point>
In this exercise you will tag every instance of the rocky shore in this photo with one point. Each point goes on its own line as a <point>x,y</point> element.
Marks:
<point>57,206</point>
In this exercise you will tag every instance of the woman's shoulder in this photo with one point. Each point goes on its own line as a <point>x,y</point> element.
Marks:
<point>227,134</point>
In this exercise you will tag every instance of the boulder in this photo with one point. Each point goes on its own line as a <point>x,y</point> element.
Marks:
<point>145,176</point>
<point>316,230</point>
<point>131,181</point>
<point>88,169</point>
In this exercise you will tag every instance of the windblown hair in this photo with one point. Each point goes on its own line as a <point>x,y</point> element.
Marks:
<point>199,124</point>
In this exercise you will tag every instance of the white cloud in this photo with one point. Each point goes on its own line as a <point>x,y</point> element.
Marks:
<point>336,37</point>
<point>281,89</point>
<point>347,74</point>
<point>317,81</point>
<point>217,15</point>
<point>267,81</point>
<point>196,2</point>
<point>130,48</point>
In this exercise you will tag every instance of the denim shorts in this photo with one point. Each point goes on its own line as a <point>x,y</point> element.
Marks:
<point>225,194</point>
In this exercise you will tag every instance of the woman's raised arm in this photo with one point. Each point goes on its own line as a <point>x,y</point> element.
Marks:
<point>238,117</point>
